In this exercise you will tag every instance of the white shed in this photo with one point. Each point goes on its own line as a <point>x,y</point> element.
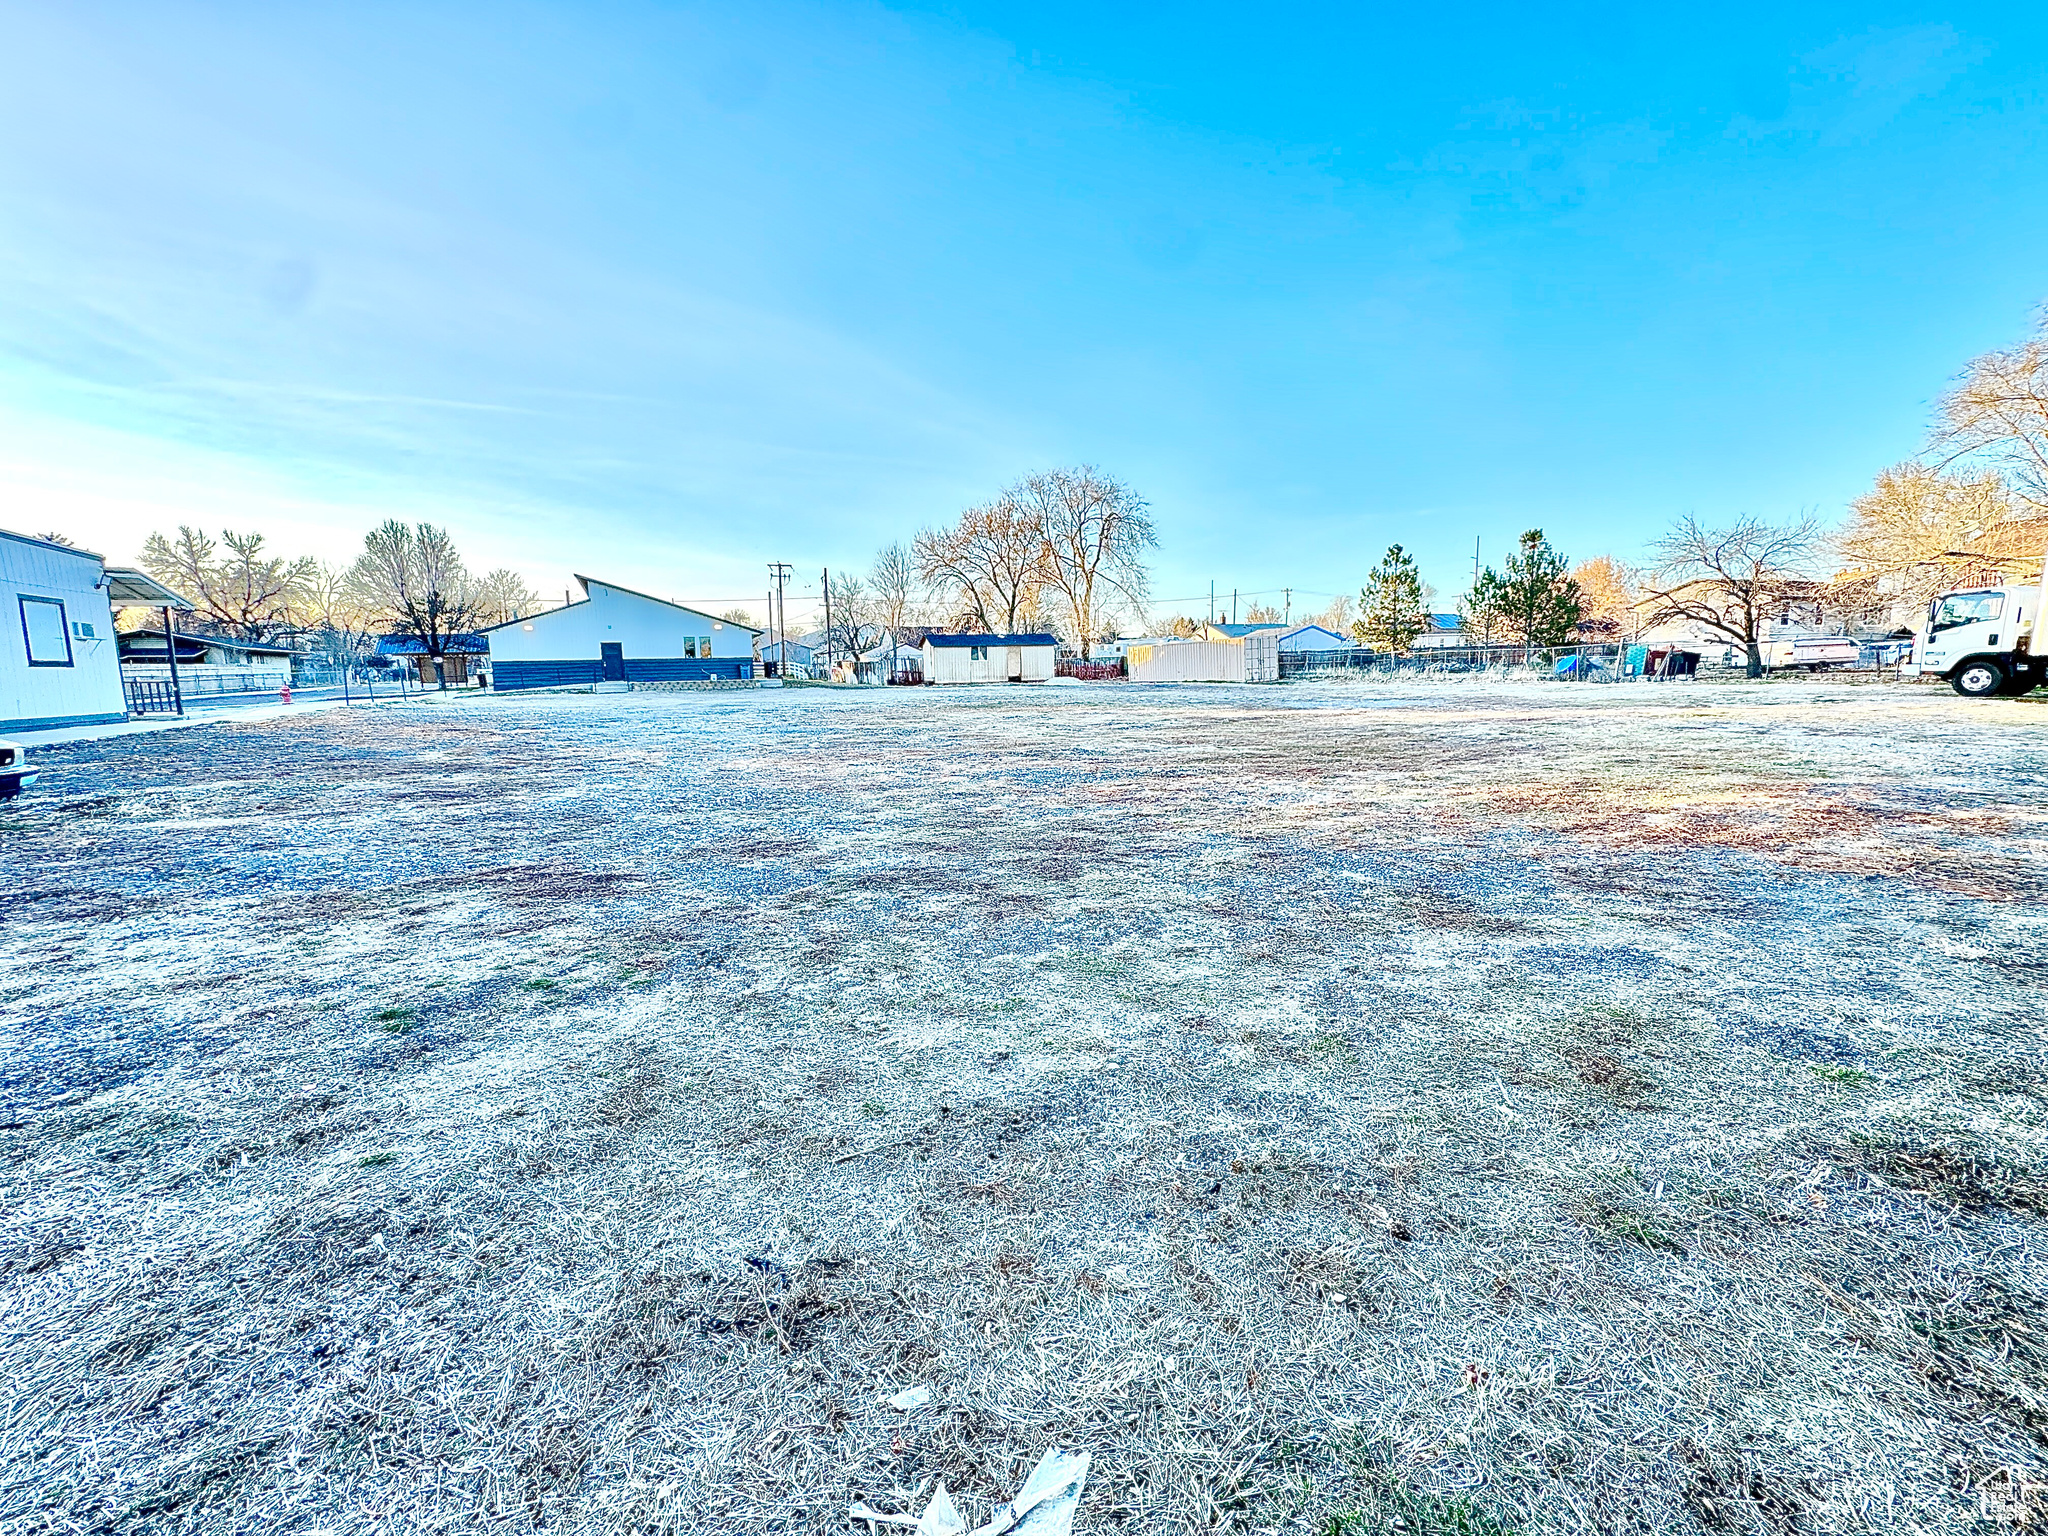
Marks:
<point>989,658</point>
<point>618,635</point>
<point>58,662</point>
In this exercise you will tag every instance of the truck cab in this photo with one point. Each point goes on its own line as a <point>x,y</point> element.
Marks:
<point>1980,640</point>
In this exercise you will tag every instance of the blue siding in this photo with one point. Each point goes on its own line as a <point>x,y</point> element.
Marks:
<point>685,670</point>
<point>61,722</point>
<point>545,674</point>
<point>508,675</point>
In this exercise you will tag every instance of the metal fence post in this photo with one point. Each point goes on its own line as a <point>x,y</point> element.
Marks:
<point>171,656</point>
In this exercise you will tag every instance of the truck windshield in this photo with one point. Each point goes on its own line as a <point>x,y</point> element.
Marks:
<point>1966,608</point>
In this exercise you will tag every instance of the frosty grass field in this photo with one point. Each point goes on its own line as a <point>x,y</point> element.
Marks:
<point>1339,1108</point>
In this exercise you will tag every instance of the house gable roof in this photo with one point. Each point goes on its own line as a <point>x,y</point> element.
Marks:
<point>587,582</point>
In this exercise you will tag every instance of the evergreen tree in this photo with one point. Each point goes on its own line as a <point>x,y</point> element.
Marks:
<point>1534,599</point>
<point>1390,606</point>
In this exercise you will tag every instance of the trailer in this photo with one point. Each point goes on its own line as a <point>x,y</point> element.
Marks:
<point>1817,653</point>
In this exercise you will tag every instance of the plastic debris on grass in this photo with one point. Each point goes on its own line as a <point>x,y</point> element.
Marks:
<point>1044,1506</point>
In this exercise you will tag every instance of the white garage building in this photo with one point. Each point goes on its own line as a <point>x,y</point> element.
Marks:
<point>617,635</point>
<point>59,665</point>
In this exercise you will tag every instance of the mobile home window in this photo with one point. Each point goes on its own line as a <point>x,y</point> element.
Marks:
<point>42,630</point>
<point>977,653</point>
<point>690,645</point>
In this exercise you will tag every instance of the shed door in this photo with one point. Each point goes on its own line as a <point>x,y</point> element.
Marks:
<point>1015,661</point>
<point>614,661</point>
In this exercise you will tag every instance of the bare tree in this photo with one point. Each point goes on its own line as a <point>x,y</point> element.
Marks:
<point>1337,617</point>
<point>1998,411</point>
<point>739,616</point>
<point>416,582</point>
<point>892,585</point>
<point>1096,531</point>
<point>336,614</point>
<point>988,567</point>
<point>1731,580</point>
<point>856,625</point>
<point>504,596</point>
<point>238,590</point>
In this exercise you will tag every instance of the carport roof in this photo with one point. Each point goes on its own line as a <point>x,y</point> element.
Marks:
<point>132,589</point>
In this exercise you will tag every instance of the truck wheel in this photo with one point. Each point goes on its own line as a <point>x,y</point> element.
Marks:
<point>1978,679</point>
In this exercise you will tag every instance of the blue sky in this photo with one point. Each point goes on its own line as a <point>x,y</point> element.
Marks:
<point>664,292</point>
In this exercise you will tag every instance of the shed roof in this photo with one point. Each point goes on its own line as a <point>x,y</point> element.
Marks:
<point>948,640</point>
<point>457,645</point>
<point>50,544</point>
<point>217,642</point>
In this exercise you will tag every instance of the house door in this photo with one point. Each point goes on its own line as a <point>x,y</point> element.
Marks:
<point>1015,663</point>
<point>614,661</point>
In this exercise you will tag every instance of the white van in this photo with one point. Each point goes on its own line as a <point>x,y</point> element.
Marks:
<point>15,774</point>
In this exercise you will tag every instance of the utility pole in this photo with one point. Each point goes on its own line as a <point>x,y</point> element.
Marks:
<point>1475,562</point>
<point>1288,616</point>
<point>1233,605</point>
<point>778,617</point>
<point>828,623</point>
<point>1212,602</point>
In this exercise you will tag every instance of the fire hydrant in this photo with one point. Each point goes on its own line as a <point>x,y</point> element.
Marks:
<point>285,693</point>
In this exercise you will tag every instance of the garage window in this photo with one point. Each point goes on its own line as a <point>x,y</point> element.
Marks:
<point>43,632</point>
<point>977,653</point>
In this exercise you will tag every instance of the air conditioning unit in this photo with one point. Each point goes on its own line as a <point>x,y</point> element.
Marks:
<point>81,629</point>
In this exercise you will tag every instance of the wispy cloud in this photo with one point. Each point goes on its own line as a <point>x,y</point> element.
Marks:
<point>1847,91</point>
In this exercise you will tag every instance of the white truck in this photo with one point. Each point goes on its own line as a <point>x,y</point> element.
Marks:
<point>1982,639</point>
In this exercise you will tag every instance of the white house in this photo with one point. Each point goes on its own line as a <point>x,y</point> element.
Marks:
<point>989,658</point>
<point>59,665</point>
<point>618,635</point>
<point>1446,632</point>
<point>1313,637</point>
<point>145,648</point>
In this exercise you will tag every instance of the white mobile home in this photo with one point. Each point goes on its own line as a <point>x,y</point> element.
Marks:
<point>989,658</point>
<point>617,635</point>
<point>58,663</point>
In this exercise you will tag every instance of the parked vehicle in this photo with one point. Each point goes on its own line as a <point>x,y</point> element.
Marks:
<point>1982,639</point>
<point>15,773</point>
<point>1815,653</point>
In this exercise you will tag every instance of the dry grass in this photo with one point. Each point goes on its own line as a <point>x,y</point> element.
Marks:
<point>1338,1109</point>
